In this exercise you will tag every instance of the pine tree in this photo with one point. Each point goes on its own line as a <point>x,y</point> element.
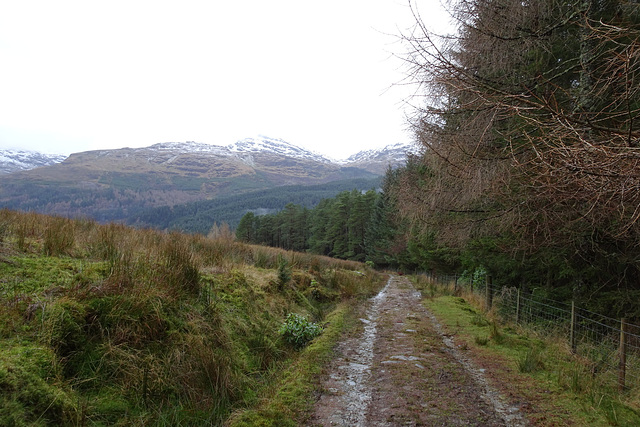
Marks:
<point>246,230</point>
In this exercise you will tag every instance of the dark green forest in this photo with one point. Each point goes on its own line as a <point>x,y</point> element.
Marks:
<point>530,168</point>
<point>355,225</point>
<point>198,217</point>
<point>350,226</point>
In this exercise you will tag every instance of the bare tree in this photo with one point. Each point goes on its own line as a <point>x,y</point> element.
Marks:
<point>529,120</point>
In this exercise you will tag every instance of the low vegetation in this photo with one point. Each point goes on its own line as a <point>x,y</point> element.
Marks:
<point>108,325</point>
<point>553,386</point>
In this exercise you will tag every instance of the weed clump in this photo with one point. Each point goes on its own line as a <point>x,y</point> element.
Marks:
<point>180,269</point>
<point>531,361</point>
<point>4,230</point>
<point>479,320</point>
<point>59,237</point>
<point>298,331</point>
<point>482,341</point>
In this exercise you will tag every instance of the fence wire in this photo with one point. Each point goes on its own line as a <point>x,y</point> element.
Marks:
<point>608,346</point>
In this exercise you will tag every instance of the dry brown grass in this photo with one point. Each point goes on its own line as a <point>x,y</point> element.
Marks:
<point>167,326</point>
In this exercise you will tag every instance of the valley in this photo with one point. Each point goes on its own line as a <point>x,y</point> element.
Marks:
<point>130,184</point>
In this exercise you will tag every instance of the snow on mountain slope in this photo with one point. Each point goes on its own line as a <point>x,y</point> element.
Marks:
<point>260,144</point>
<point>244,150</point>
<point>394,152</point>
<point>19,160</point>
<point>263,144</point>
<point>190,147</point>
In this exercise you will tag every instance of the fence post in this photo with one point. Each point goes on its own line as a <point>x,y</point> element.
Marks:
<point>489,292</point>
<point>518,307</point>
<point>572,334</point>
<point>622,367</point>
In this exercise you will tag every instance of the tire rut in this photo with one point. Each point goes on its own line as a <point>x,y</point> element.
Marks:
<point>402,370</point>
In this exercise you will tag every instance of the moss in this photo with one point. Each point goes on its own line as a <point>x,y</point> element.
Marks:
<point>30,392</point>
<point>290,399</point>
<point>31,274</point>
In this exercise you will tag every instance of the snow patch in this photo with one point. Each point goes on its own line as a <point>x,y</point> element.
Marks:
<point>20,160</point>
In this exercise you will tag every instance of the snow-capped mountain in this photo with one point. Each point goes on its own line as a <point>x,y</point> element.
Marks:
<point>263,144</point>
<point>258,145</point>
<point>19,160</point>
<point>393,153</point>
<point>118,184</point>
<point>378,160</point>
<point>245,150</point>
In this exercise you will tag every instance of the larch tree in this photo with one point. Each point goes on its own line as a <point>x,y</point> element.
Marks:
<point>530,131</point>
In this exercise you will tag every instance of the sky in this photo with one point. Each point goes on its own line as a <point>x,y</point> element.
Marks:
<point>324,75</point>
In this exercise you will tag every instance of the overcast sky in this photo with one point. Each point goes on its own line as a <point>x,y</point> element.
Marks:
<point>83,75</point>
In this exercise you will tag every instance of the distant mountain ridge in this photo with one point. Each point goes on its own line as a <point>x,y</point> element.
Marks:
<point>395,154</point>
<point>379,159</point>
<point>122,184</point>
<point>19,160</point>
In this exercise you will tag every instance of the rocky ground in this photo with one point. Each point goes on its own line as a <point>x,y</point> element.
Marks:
<point>401,369</point>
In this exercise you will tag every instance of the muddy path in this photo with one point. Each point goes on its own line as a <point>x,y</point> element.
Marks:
<point>402,370</point>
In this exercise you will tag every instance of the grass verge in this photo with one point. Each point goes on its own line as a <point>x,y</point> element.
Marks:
<point>552,387</point>
<point>290,399</point>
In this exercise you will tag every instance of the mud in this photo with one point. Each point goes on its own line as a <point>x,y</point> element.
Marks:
<point>403,370</point>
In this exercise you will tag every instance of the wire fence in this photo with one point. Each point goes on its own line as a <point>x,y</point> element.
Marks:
<point>609,347</point>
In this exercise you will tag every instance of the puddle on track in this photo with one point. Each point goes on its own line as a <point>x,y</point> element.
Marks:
<point>380,378</point>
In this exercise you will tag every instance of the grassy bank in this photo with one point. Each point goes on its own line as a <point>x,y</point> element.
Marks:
<point>289,396</point>
<point>109,325</point>
<point>553,387</point>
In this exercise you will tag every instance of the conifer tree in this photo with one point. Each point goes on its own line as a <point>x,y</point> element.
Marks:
<point>530,136</point>
<point>246,230</point>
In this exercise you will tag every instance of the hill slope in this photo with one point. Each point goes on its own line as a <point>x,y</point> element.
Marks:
<point>118,185</point>
<point>108,325</point>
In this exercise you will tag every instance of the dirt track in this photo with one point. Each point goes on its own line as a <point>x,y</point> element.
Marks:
<point>403,371</point>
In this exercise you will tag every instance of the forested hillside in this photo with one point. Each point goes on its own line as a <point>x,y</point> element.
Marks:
<point>350,226</point>
<point>147,185</point>
<point>531,167</point>
<point>198,217</point>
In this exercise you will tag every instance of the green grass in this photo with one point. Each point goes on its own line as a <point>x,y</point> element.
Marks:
<point>558,387</point>
<point>290,396</point>
<point>33,273</point>
<point>119,326</point>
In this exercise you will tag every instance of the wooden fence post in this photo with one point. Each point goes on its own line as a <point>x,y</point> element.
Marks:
<point>622,366</point>
<point>518,307</point>
<point>572,334</point>
<point>489,292</point>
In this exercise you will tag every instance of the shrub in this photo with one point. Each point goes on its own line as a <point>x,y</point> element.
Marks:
<point>298,331</point>
<point>479,277</point>
<point>284,272</point>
